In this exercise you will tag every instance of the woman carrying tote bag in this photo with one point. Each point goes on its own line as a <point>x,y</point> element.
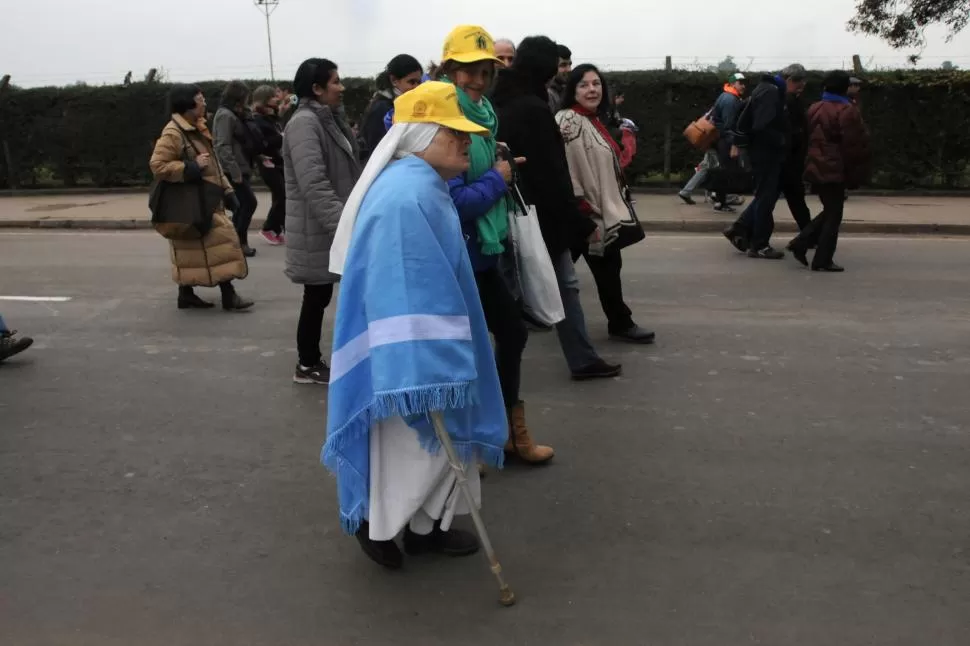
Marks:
<point>216,258</point>
<point>594,168</point>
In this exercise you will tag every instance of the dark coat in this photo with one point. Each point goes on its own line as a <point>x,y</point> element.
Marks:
<point>372,128</point>
<point>763,127</point>
<point>526,124</point>
<point>271,133</point>
<point>838,145</point>
<point>797,132</point>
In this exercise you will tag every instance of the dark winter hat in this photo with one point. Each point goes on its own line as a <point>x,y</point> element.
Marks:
<point>836,82</point>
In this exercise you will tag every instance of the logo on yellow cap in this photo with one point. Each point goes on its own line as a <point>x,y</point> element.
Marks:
<point>469,44</point>
<point>420,109</point>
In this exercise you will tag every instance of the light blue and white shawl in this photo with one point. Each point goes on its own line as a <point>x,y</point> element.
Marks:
<point>410,335</point>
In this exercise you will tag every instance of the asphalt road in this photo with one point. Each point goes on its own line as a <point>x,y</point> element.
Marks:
<point>789,465</point>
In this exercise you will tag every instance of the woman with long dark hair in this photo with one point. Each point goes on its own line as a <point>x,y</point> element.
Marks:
<point>184,153</point>
<point>320,165</point>
<point>594,166</point>
<point>402,74</point>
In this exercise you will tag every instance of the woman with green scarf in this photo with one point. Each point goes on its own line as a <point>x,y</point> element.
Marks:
<point>480,196</point>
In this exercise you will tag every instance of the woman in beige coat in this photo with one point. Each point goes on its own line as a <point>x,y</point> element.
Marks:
<point>184,153</point>
<point>594,166</point>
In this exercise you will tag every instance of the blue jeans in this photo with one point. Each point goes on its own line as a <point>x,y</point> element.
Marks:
<point>757,222</point>
<point>573,337</point>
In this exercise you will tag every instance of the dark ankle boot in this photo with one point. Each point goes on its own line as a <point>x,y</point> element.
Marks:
<point>231,300</point>
<point>188,300</point>
<point>384,553</point>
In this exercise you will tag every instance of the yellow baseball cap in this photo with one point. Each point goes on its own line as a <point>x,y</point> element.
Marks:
<point>469,44</point>
<point>434,102</point>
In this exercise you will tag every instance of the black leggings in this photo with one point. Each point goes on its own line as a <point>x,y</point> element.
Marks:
<point>503,315</point>
<point>308,330</point>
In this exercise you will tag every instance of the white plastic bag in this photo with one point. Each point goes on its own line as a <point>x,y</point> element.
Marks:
<point>540,289</point>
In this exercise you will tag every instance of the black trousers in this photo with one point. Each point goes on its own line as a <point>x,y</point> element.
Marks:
<point>823,231</point>
<point>606,274</point>
<point>757,222</point>
<point>243,216</point>
<point>308,330</point>
<point>503,316</point>
<point>794,189</point>
<point>273,178</point>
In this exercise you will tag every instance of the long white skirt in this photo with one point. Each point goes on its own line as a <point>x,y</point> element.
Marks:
<point>410,485</point>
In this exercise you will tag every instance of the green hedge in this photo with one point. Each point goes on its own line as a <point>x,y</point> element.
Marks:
<point>103,136</point>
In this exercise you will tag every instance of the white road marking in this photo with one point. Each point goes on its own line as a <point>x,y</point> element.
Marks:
<point>37,299</point>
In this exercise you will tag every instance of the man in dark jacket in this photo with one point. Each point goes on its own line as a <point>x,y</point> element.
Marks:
<point>266,104</point>
<point>762,141</point>
<point>792,184</point>
<point>526,124</point>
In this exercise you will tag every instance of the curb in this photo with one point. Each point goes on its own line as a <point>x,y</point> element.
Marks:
<point>659,226</point>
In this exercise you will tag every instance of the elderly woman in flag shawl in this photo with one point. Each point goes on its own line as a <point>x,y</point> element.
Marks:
<point>410,339</point>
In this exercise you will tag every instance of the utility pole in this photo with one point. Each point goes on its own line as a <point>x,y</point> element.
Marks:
<point>267,7</point>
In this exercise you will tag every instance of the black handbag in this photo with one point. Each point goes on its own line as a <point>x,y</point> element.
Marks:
<point>183,210</point>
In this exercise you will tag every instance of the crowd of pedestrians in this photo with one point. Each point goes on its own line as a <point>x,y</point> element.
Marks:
<point>411,214</point>
<point>769,139</point>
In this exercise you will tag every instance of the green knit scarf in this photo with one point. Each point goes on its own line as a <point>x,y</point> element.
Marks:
<point>493,227</point>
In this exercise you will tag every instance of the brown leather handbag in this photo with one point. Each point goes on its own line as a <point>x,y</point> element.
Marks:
<point>702,134</point>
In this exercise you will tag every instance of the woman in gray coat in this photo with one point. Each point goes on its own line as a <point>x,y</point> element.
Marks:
<point>320,162</point>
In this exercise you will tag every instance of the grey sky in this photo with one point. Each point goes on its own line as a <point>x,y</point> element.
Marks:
<point>97,41</point>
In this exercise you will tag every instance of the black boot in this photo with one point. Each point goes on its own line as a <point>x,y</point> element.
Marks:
<point>454,542</point>
<point>189,301</point>
<point>232,301</point>
<point>384,553</point>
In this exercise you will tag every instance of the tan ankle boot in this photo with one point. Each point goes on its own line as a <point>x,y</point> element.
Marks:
<point>520,442</point>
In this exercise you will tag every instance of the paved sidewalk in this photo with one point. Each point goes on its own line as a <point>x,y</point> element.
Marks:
<point>864,214</point>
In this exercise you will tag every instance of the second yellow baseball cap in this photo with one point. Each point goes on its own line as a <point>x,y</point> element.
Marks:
<point>469,44</point>
<point>434,102</point>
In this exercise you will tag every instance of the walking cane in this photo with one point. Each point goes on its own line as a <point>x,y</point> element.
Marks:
<point>506,597</point>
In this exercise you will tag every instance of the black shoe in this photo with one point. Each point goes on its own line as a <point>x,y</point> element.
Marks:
<point>635,334</point>
<point>737,240</point>
<point>831,267</point>
<point>454,542</point>
<point>191,301</point>
<point>10,345</point>
<point>597,370</point>
<point>735,200</point>
<point>235,303</point>
<point>385,553</point>
<point>687,199</point>
<point>798,252</point>
<point>766,253</point>
<point>248,251</point>
<point>723,208</point>
<point>318,374</point>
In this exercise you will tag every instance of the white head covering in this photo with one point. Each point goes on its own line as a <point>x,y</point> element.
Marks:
<point>401,140</point>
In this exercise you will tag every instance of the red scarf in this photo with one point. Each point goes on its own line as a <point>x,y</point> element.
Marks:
<point>595,120</point>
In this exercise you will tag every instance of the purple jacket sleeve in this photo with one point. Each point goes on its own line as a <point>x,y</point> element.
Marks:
<point>473,200</point>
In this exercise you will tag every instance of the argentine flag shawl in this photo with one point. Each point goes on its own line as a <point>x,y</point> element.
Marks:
<point>410,336</point>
